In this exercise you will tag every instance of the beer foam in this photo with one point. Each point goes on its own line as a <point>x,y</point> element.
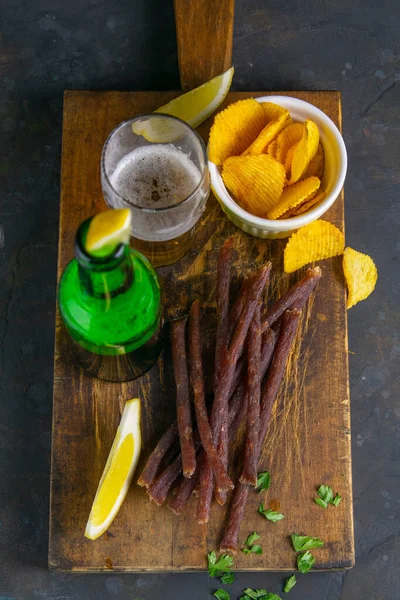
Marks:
<point>155,176</point>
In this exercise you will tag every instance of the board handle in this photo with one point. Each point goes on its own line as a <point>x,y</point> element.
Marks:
<point>204,30</point>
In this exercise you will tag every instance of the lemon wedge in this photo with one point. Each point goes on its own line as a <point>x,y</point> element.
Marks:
<point>108,229</point>
<point>194,108</point>
<point>118,472</point>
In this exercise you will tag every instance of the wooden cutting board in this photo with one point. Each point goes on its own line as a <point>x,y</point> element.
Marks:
<point>309,437</point>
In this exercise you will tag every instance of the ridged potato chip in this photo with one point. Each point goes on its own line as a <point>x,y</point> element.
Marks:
<point>304,207</point>
<point>288,160</point>
<point>305,151</point>
<point>361,275</point>
<point>256,181</point>
<point>271,150</point>
<point>267,135</point>
<point>272,111</point>
<point>234,129</point>
<point>315,241</point>
<point>287,138</point>
<point>316,166</point>
<point>293,195</point>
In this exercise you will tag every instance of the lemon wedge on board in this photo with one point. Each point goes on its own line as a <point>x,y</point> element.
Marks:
<point>194,108</point>
<point>118,472</point>
<point>108,229</point>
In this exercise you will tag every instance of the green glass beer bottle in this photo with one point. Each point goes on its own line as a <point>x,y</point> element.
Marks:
<point>110,304</point>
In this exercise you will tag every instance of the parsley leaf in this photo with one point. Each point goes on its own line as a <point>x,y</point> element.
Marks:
<point>326,496</point>
<point>271,515</point>
<point>250,547</point>
<point>305,561</point>
<point>325,493</point>
<point>222,595</point>
<point>305,542</point>
<point>263,481</point>
<point>259,595</point>
<point>222,565</point>
<point>228,577</point>
<point>254,594</point>
<point>289,583</point>
<point>321,502</point>
<point>251,538</point>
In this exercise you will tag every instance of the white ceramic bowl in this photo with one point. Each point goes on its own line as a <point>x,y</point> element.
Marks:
<point>332,181</point>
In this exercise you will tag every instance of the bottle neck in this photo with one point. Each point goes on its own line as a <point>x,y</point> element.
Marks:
<point>105,277</point>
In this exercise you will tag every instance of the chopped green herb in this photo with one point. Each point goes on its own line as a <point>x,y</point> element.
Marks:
<point>255,549</point>
<point>321,502</point>
<point>228,577</point>
<point>259,595</point>
<point>217,567</point>
<point>337,500</point>
<point>289,583</point>
<point>251,538</point>
<point>305,561</point>
<point>263,481</point>
<point>222,595</point>
<point>271,515</point>
<point>305,542</point>
<point>325,493</point>
<point>250,547</point>
<point>254,594</point>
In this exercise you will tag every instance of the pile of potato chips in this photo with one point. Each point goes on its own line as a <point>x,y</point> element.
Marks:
<point>271,165</point>
<point>274,167</point>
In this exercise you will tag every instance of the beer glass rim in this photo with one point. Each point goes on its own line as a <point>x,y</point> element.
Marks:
<point>155,116</point>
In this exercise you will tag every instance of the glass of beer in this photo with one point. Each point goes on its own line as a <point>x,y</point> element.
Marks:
<point>156,165</point>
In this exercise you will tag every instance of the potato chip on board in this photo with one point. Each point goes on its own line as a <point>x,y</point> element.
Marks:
<point>272,111</point>
<point>305,151</point>
<point>267,135</point>
<point>271,150</point>
<point>361,275</point>
<point>316,166</point>
<point>305,206</point>
<point>293,195</point>
<point>255,181</point>
<point>234,129</point>
<point>315,241</point>
<point>287,138</point>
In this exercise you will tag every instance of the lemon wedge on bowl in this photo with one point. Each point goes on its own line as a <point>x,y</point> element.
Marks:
<point>108,229</point>
<point>194,108</point>
<point>118,472</point>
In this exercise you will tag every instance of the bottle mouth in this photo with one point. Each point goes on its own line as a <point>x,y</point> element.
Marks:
<point>96,263</point>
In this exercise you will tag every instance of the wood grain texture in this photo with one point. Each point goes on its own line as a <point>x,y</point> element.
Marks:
<point>204,31</point>
<point>308,442</point>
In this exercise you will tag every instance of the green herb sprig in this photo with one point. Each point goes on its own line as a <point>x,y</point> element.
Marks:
<point>221,566</point>
<point>305,561</point>
<point>301,543</point>
<point>290,583</point>
<point>249,546</point>
<point>222,595</point>
<point>325,496</point>
<point>263,481</point>
<point>271,515</point>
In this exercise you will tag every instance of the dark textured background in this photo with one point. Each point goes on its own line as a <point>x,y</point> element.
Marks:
<point>48,46</point>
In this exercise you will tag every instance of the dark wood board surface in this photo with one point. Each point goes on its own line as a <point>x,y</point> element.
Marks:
<point>310,431</point>
<point>204,33</point>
